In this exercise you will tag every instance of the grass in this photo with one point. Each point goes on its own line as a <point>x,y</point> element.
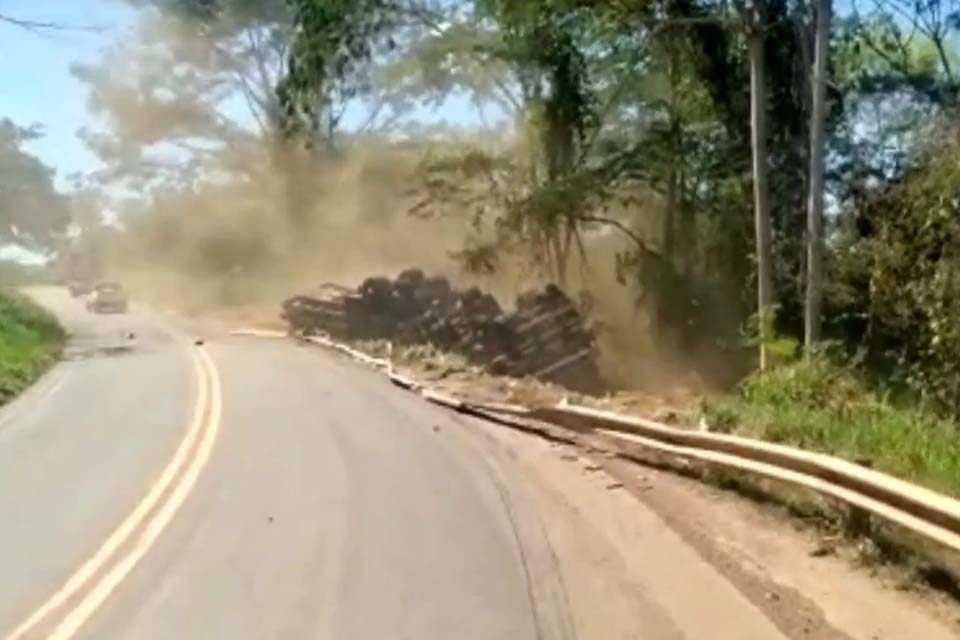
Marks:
<point>819,406</point>
<point>30,340</point>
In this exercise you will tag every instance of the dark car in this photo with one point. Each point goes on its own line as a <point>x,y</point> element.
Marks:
<point>108,297</point>
<point>79,288</point>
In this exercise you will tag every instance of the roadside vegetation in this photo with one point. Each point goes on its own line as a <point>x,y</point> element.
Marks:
<point>680,167</point>
<point>888,393</point>
<point>819,405</point>
<point>30,340</point>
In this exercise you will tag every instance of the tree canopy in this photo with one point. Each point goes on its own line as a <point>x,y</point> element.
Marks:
<point>731,165</point>
<point>32,211</point>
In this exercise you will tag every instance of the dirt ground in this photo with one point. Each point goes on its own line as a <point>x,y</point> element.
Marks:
<point>808,586</point>
<point>678,408</point>
<point>812,584</point>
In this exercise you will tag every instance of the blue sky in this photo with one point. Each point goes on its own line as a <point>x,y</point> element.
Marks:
<point>35,80</point>
<point>36,85</point>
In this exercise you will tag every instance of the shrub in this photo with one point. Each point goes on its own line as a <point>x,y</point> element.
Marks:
<point>29,340</point>
<point>818,405</point>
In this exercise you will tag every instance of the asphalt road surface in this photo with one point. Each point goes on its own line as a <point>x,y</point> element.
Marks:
<point>151,488</point>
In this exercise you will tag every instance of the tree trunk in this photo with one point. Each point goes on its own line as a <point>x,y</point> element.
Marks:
<point>761,200</point>
<point>669,214</point>
<point>563,255</point>
<point>287,159</point>
<point>812,316</point>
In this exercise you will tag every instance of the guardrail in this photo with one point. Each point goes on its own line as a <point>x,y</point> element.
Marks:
<point>927,513</point>
<point>918,509</point>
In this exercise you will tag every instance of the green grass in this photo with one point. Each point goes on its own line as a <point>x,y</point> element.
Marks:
<point>819,406</point>
<point>30,340</point>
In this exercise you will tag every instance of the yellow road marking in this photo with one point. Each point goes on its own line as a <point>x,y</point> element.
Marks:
<point>86,608</point>
<point>206,418</point>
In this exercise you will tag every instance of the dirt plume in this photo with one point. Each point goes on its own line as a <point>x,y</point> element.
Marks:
<point>232,246</point>
<point>227,217</point>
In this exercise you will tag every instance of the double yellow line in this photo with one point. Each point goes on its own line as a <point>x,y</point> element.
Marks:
<point>65,612</point>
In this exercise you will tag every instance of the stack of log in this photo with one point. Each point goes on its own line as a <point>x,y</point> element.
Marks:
<point>546,337</point>
<point>325,309</point>
<point>551,338</point>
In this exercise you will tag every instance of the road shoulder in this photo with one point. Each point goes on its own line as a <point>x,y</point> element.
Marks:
<point>622,567</point>
<point>776,565</point>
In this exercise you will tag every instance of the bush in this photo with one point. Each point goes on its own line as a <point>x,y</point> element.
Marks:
<point>30,339</point>
<point>817,405</point>
<point>897,282</point>
<point>815,382</point>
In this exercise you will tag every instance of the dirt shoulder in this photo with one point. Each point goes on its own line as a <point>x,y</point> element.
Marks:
<point>630,539</point>
<point>607,560</point>
<point>811,582</point>
<point>473,385</point>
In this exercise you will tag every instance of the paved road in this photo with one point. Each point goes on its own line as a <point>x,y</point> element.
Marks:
<point>304,498</point>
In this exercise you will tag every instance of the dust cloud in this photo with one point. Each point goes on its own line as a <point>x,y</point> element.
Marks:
<point>250,219</point>
<point>231,249</point>
<point>242,243</point>
<point>234,248</point>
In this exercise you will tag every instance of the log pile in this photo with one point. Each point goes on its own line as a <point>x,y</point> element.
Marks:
<point>545,337</point>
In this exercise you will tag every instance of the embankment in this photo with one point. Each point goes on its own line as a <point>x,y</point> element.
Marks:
<point>30,340</point>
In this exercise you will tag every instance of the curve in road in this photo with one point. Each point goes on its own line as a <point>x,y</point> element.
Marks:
<point>331,507</point>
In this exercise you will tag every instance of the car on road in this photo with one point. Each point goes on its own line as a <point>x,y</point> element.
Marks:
<point>107,297</point>
<point>79,288</point>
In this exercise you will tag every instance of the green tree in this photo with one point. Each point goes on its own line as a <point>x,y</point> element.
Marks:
<point>818,120</point>
<point>32,211</point>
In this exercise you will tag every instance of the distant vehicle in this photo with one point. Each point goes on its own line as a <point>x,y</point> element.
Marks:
<point>108,297</point>
<point>79,288</point>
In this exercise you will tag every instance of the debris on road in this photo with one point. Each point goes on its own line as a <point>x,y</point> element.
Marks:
<point>545,337</point>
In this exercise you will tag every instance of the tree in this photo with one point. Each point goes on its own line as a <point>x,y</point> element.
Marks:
<point>170,96</point>
<point>335,39</point>
<point>620,124</point>
<point>900,278</point>
<point>761,197</point>
<point>935,21</point>
<point>818,116</point>
<point>162,96</point>
<point>32,211</point>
